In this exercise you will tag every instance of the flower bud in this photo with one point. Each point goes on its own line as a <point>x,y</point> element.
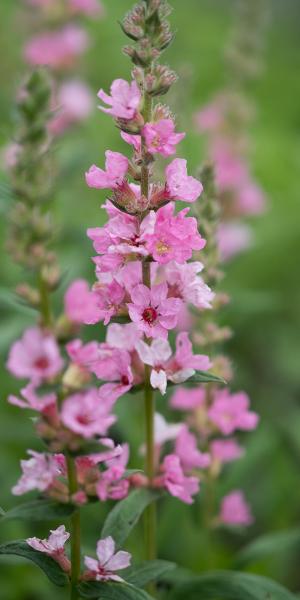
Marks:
<point>159,81</point>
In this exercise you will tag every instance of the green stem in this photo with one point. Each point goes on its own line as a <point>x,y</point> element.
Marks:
<point>45,306</point>
<point>150,513</point>
<point>75,530</point>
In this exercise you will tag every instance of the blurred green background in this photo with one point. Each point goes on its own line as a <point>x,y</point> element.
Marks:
<point>264,282</point>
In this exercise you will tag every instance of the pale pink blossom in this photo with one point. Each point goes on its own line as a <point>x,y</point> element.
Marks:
<point>91,8</point>
<point>230,412</point>
<point>113,364</point>
<point>233,238</point>
<point>156,356</point>
<point>57,49</point>
<point>80,303</point>
<point>116,167</point>
<point>112,484</point>
<point>108,561</point>
<point>38,472</point>
<point>30,399</point>
<point>173,237</point>
<point>73,104</point>
<point>81,354</point>
<point>133,140</point>
<point>85,414</point>
<point>35,356</point>
<point>163,431</point>
<point>124,99</point>
<point>184,358</point>
<point>185,283</point>
<point>235,510</point>
<point>225,451</point>
<point>181,186</point>
<point>251,199</point>
<point>231,171</point>
<point>152,310</point>
<point>210,118</point>
<point>53,546</point>
<point>187,450</point>
<point>188,399</point>
<point>123,337</point>
<point>161,138</point>
<point>174,480</point>
<point>109,300</point>
<point>10,155</point>
<point>121,235</point>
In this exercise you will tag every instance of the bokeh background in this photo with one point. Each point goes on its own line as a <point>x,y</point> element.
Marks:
<point>264,282</point>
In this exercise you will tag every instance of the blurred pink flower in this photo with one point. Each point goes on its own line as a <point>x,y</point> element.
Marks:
<point>80,303</point>
<point>235,510</point>
<point>233,237</point>
<point>56,49</point>
<point>226,451</point>
<point>229,412</point>
<point>188,399</point>
<point>174,480</point>
<point>86,415</point>
<point>38,472</point>
<point>35,356</point>
<point>187,451</point>
<point>73,104</point>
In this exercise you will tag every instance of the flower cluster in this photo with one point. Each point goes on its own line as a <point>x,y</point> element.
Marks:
<point>59,44</point>
<point>226,121</point>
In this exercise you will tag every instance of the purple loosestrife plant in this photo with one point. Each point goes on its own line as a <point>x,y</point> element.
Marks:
<point>144,279</point>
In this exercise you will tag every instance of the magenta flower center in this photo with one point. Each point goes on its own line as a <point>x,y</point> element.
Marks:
<point>41,363</point>
<point>149,315</point>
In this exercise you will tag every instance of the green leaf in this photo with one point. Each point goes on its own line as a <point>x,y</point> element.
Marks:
<point>112,591</point>
<point>40,510</point>
<point>231,585</point>
<point>206,377</point>
<point>125,514</point>
<point>278,542</point>
<point>147,571</point>
<point>50,567</point>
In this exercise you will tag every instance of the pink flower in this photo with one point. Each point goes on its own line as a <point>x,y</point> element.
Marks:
<point>231,411</point>
<point>188,453</point>
<point>152,311</point>
<point>233,238</point>
<point>210,118</point>
<point>185,359</point>
<point>133,140</point>
<point>173,237</point>
<point>174,480</point>
<point>123,337</point>
<point>57,49</point>
<point>108,561</point>
<point>80,303</point>
<point>121,235</point>
<point>225,451</point>
<point>124,99</point>
<point>53,546</point>
<point>184,283</point>
<point>81,354</point>
<point>251,199</point>
<point>156,356</point>
<point>109,301</point>
<point>35,356</point>
<point>188,399</point>
<point>163,431</point>
<point>91,8</point>
<point>32,400</point>
<point>116,166</point>
<point>113,364</point>
<point>235,510</point>
<point>112,485</point>
<point>179,185</point>
<point>86,415</point>
<point>161,138</point>
<point>38,473</point>
<point>231,170</point>
<point>74,104</point>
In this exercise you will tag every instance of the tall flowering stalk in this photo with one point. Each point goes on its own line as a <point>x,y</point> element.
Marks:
<point>226,121</point>
<point>59,40</point>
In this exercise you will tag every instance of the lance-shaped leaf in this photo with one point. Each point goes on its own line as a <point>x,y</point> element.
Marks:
<point>112,591</point>
<point>278,542</point>
<point>125,514</point>
<point>147,571</point>
<point>40,510</point>
<point>50,567</point>
<point>231,585</point>
<point>206,377</point>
